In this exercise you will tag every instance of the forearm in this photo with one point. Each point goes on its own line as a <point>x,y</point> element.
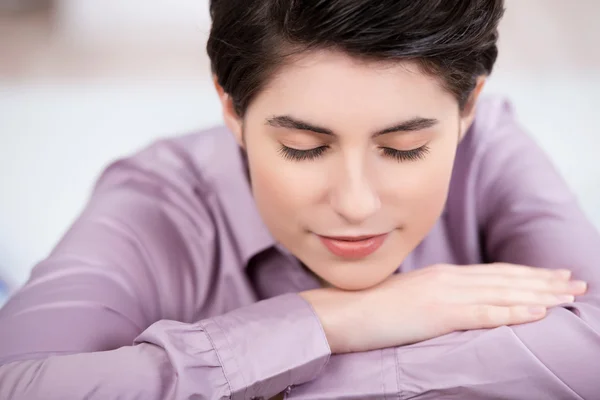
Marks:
<point>556,358</point>
<point>254,351</point>
<point>132,372</point>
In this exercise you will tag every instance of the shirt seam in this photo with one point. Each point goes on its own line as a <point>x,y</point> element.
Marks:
<point>381,358</point>
<point>323,335</point>
<point>212,343</point>
<point>543,365</point>
<point>246,386</point>
<point>397,363</point>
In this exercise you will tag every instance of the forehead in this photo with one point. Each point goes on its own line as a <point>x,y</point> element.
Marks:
<point>329,81</point>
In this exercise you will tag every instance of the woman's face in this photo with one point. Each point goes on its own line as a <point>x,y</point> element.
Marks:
<point>350,162</point>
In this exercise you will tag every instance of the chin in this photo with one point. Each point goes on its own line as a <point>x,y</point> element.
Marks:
<point>355,282</point>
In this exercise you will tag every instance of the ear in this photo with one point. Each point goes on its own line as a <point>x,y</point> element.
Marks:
<point>230,117</point>
<point>468,113</point>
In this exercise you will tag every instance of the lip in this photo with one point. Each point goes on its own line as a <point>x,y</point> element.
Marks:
<point>353,247</point>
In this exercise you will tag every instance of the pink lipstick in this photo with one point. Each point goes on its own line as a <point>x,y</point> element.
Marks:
<point>353,246</point>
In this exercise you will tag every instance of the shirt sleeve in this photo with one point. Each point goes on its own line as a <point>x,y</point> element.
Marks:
<point>528,216</point>
<point>115,311</point>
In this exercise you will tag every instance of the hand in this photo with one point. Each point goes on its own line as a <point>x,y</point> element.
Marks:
<point>433,301</point>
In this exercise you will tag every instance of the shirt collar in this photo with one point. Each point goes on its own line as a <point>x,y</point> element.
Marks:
<point>228,180</point>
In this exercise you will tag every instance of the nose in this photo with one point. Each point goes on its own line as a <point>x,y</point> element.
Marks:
<point>353,196</point>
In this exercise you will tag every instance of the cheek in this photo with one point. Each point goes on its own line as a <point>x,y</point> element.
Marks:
<point>435,191</point>
<point>420,193</point>
<point>283,190</point>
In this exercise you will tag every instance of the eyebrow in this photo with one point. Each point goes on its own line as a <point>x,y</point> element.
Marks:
<point>413,124</point>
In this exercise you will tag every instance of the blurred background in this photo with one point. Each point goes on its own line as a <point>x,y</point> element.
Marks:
<point>83,82</point>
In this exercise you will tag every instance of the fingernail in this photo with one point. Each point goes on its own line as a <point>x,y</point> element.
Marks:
<point>577,285</point>
<point>537,310</point>
<point>565,299</point>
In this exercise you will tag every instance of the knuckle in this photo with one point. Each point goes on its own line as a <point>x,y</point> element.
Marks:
<point>449,318</point>
<point>545,285</point>
<point>515,314</point>
<point>441,298</point>
<point>442,278</point>
<point>557,286</point>
<point>440,267</point>
<point>529,297</point>
<point>506,295</point>
<point>508,281</point>
<point>443,273</point>
<point>483,315</point>
<point>503,267</point>
<point>451,321</point>
<point>546,299</point>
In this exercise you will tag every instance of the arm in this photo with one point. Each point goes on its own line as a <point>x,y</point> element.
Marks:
<point>97,319</point>
<point>531,218</point>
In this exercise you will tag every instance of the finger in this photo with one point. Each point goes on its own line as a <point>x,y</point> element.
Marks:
<point>489,282</point>
<point>516,270</point>
<point>511,297</point>
<point>488,316</point>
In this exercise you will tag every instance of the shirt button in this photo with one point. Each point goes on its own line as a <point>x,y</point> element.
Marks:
<point>288,389</point>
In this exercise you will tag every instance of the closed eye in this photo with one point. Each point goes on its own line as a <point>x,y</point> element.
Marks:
<point>301,155</point>
<point>292,154</point>
<point>406,155</point>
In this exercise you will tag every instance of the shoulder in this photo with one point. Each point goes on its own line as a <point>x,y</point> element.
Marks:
<point>482,156</point>
<point>499,163</point>
<point>496,140</point>
<point>196,165</point>
<point>495,119</point>
<point>203,175</point>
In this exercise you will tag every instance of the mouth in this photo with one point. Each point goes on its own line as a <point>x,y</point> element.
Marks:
<point>353,247</point>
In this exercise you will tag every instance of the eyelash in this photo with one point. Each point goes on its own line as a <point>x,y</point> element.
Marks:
<point>406,155</point>
<point>399,155</point>
<point>300,155</point>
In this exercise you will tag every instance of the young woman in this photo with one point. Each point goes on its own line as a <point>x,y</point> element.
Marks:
<point>364,228</point>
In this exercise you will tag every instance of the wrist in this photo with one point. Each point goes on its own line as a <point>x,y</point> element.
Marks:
<point>336,311</point>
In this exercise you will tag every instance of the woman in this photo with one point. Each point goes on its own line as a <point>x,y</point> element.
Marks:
<point>365,227</point>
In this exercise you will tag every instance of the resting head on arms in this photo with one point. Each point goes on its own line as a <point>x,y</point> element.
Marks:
<point>358,209</point>
<point>350,115</point>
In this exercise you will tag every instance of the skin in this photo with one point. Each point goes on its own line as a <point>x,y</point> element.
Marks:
<point>354,187</point>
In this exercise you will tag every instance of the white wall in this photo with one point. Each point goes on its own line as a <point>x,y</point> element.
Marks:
<point>55,139</point>
<point>167,20</point>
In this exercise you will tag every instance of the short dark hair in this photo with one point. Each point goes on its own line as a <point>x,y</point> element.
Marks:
<point>452,39</point>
